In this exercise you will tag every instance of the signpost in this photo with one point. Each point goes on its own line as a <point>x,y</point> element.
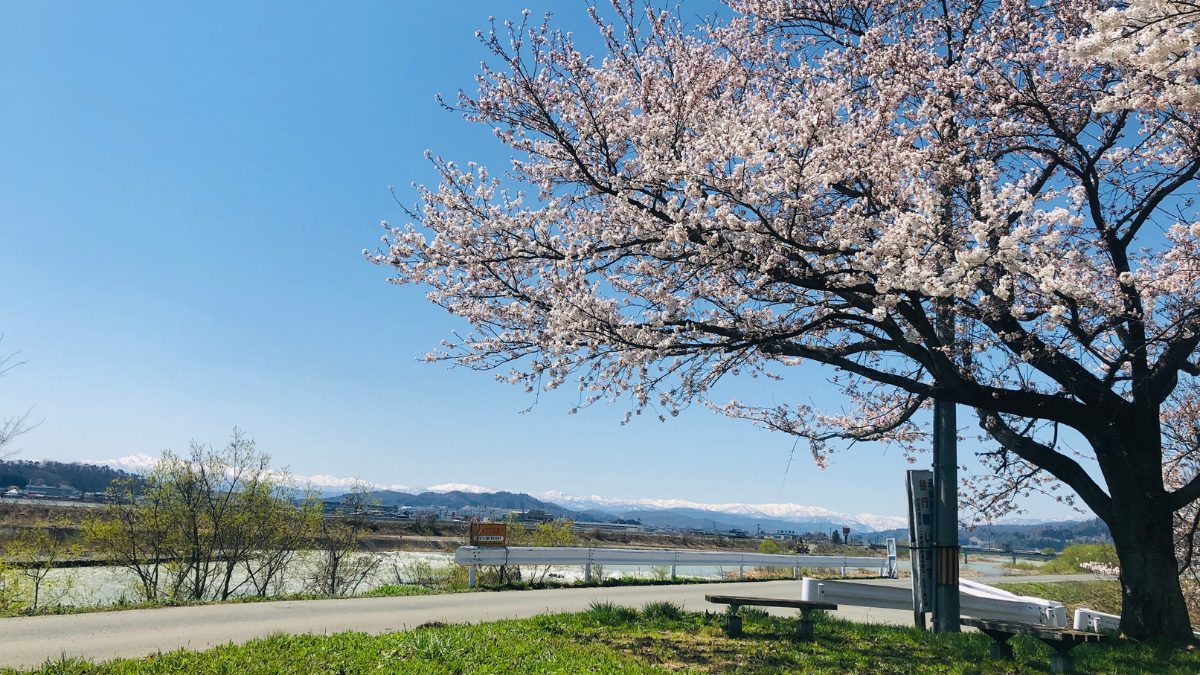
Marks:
<point>489,534</point>
<point>920,539</point>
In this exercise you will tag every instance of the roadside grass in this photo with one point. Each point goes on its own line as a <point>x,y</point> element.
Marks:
<point>653,640</point>
<point>1100,595</point>
<point>386,591</point>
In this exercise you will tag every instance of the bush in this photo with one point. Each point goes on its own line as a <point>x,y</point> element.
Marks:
<point>429,573</point>
<point>769,546</point>
<point>1071,560</point>
<point>611,614</point>
<point>662,610</point>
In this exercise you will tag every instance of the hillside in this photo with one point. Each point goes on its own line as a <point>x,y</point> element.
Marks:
<point>82,477</point>
<point>512,501</point>
<point>1029,536</point>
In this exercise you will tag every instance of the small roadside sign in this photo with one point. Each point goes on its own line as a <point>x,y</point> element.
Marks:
<point>489,534</point>
<point>920,537</point>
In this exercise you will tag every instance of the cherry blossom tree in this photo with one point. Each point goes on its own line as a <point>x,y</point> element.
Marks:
<point>1153,44</point>
<point>961,200</point>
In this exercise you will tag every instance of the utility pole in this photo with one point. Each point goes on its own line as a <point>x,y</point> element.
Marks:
<point>945,509</point>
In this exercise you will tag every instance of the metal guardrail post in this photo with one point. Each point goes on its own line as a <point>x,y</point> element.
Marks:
<point>471,576</point>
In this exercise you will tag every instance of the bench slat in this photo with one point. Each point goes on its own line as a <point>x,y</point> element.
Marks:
<point>1041,632</point>
<point>744,600</point>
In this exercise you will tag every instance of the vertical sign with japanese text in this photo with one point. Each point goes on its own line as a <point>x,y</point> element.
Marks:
<point>920,537</point>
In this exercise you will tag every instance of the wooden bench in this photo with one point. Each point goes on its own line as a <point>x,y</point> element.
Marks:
<point>733,622</point>
<point>1062,640</point>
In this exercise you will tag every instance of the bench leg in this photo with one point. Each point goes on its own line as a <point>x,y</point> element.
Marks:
<point>1062,662</point>
<point>1001,650</point>
<point>804,630</point>
<point>733,625</point>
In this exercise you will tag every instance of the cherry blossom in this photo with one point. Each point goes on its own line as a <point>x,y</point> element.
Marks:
<point>988,203</point>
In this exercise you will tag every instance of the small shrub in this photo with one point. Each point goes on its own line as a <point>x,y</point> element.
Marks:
<point>662,610</point>
<point>769,546</point>
<point>431,574</point>
<point>1072,558</point>
<point>610,614</point>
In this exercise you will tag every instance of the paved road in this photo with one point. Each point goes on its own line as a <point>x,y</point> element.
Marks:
<point>30,641</point>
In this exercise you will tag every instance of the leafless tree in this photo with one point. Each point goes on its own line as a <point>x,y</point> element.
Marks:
<point>12,427</point>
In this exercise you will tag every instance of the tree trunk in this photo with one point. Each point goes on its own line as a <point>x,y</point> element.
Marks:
<point>1152,606</point>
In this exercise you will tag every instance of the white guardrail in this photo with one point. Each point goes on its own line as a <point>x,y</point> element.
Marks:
<point>474,556</point>
<point>976,599</point>
<point>1091,621</point>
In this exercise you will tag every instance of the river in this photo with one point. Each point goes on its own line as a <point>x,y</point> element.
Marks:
<point>110,585</point>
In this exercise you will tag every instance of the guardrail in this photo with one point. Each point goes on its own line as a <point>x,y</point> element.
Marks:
<point>1091,621</point>
<point>474,556</point>
<point>976,599</point>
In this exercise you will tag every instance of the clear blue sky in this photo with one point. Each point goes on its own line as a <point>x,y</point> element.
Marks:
<point>185,190</point>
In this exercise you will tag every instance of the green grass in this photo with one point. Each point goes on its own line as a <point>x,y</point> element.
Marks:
<point>399,591</point>
<point>1102,596</point>
<point>611,640</point>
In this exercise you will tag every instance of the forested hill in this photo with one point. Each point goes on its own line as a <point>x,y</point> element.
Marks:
<point>82,477</point>
<point>453,500</point>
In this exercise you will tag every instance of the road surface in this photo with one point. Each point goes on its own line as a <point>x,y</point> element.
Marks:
<point>29,641</point>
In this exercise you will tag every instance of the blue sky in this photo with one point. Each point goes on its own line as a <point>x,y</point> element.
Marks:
<point>185,192</point>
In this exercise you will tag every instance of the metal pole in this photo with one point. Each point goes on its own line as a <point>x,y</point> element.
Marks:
<point>945,514</point>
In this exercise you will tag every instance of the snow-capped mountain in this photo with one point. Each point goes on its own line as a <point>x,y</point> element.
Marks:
<point>769,516</point>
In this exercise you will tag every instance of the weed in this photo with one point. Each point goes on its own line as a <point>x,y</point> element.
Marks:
<point>611,614</point>
<point>662,610</point>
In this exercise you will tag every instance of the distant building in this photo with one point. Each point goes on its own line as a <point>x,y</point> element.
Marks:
<point>51,492</point>
<point>532,517</point>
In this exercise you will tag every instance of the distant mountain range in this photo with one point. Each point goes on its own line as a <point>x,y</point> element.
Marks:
<point>666,513</point>
<point>752,518</point>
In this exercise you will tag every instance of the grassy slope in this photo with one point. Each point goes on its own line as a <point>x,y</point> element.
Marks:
<point>624,641</point>
<point>1102,596</point>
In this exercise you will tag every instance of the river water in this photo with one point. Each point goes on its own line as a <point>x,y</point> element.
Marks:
<point>106,585</point>
<point>110,585</point>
